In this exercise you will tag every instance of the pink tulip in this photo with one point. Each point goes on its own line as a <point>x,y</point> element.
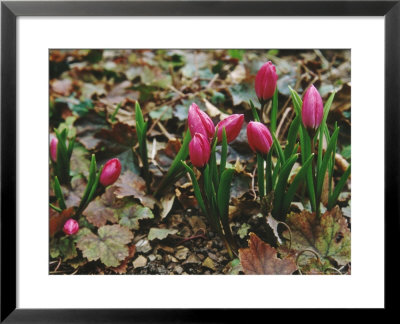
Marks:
<point>53,149</point>
<point>265,84</point>
<point>313,108</point>
<point>259,137</point>
<point>71,226</point>
<point>199,150</point>
<point>233,125</point>
<point>199,122</point>
<point>110,172</point>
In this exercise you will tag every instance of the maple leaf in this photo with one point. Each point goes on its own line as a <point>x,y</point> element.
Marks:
<point>130,184</point>
<point>131,214</point>
<point>261,258</point>
<point>109,245</point>
<point>329,236</point>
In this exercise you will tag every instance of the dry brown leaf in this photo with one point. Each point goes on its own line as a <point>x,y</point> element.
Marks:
<point>261,258</point>
<point>57,220</point>
<point>130,184</point>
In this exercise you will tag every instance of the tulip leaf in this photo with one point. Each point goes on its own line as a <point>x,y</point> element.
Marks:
<point>224,152</point>
<point>281,186</point>
<point>91,180</point>
<point>292,136</point>
<point>268,173</point>
<point>299,178</point>
<point>297,102</point>
<point>325,160</point>
<point>274,110</point>
<point>176,167</point>
<point>278,149</point>
<point>223,194</point>
<point>109,245</point>
<point>255,114</point>
<point>333,198</point>
<point>196,188</point>
<point>59,194</point>
<point>260,175</point>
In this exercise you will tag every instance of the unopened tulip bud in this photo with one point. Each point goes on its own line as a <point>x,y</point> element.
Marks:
<point>259,137</point>
<point>110,172</point>
<point>313,109</point>
<point>199,122</point>
<point>199,150</point>
<point>53,149</point>
<point>233,125</point>
<point>265,84</point>
<point>71,226</point>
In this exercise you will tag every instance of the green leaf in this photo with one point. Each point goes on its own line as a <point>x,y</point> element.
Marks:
<point>278,149</point>
<point>274,110</point>
<point>109,245</point>
<point>260,175</point>
<point>138,116</point>
<point>223,194</point>
<point>224,151</point>
<point>281,186</point>
<point>333,198</point>
<point>292,136</point>
<point>297,102</point>
<point>59,194</point>
<point>176,166</point>
<point>196,188</point>
<point>325,160</point>
<point>299,178</point>
<point>254,111</point>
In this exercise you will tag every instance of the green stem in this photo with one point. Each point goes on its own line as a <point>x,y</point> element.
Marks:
<point>314,177</point>
<point>260,174</point>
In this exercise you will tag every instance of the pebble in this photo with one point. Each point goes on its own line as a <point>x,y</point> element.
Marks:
<point>140,262</point>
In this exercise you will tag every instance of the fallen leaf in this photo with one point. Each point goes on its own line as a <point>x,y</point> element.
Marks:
<point>208,263</point>
<point>243,230</point>
<point>121,269</point>
<point>167,202</point>
<point>261,258</point>
<point>57,220</point>
<point>109,245</point>
<point>329,236</point>
<point>160,233</point>
<point>130,184</point>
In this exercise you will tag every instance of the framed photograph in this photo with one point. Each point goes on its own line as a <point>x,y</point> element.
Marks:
<point>187,155</point>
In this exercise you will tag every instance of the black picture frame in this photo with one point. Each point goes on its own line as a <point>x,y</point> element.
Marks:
<point>11,10</point>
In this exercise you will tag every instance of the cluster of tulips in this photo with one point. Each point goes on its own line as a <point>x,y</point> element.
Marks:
<point>275,191</point>
<point>106,176</point>
<point>306,135</point>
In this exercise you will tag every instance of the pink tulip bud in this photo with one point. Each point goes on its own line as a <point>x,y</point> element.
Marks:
<point>259,137</point>
<point>233,125</point>
<point>313,108</point>
<point>71,226</point>
<point>110,172</point>
<point>53,149</point>
<point>266,81</point>
<point>199,122</point>
<point>199,150</point>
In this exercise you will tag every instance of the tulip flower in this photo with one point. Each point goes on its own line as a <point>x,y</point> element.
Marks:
<point>265,83</point>
<point>110,172</point>
<point>199,122</point>
<point>233,125</point>
<point>53,149</point>
<point>199,150</point>
<point>71,226</point>
<point>259,137</point>
<point>313,109</point>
